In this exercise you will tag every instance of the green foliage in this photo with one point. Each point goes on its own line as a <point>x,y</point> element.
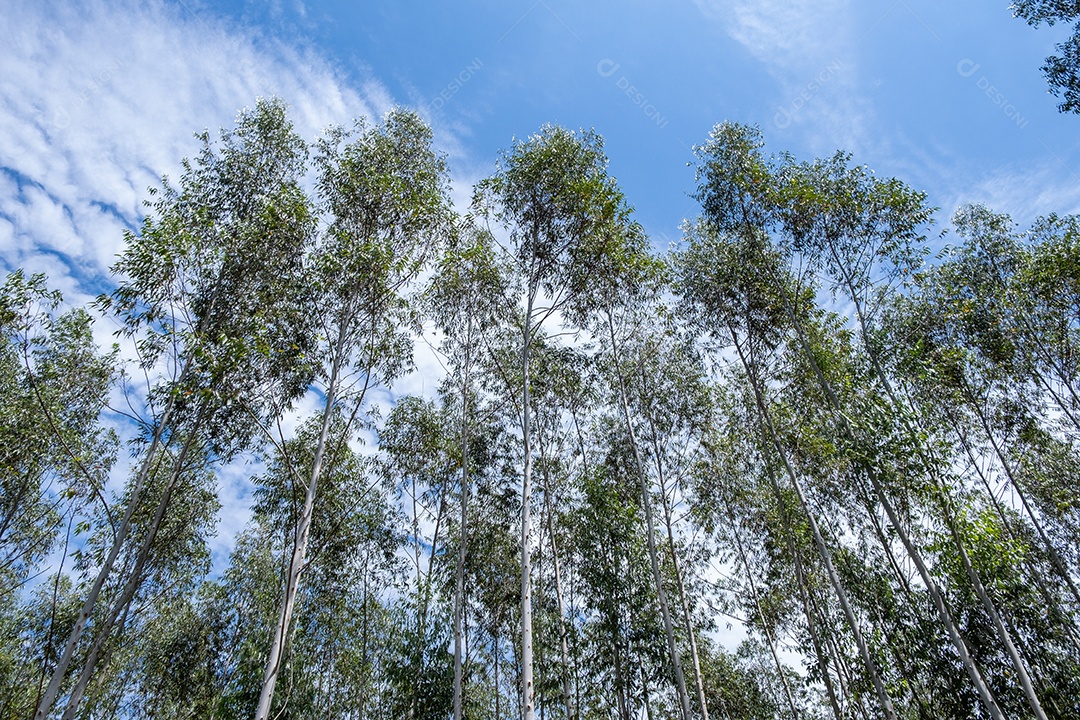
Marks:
<point>212,286</point>
<point>1062,71</point>
<point>568,221</point>
<point>385,190</point>
<point>55,455</point>
<point>802,462</point>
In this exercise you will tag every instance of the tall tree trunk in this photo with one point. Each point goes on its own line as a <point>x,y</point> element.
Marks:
<point>684,602</point>
<point>765,624</point>
<point>296,562</point>
<point>131,586</point>
<point>145,469</point>
<point>819,540</point>
<point>564,652</point>
<point>804,596</point>
<point>983,690</point>
<point>944,503</point>
<point>620,681</point>
<point>528,709</point>
<point>679,584</point>
<point>459,580</point>
<point>646,503</point>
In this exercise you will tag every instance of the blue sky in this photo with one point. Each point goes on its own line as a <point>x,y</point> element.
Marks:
<point>99,99</point>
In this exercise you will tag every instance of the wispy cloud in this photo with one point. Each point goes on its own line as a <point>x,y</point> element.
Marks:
<point>783,35</point>
<point>100,99</point>
<point>1025,193</point>
<point>810,51</point>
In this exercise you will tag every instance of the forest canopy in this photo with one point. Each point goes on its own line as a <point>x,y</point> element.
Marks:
<point>818,460</point>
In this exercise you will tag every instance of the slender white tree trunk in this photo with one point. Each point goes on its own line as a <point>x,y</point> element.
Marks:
<point>808,610</point>
<point>296,562</point>
<point>459,580</point>
<point>650,533</point>
<point>983,690</point>
<point>819,540</point>
<point>943,502</point>
<point>131,586</point>
<point>528,698</point>
<point>684,602</point>
<point>62,665</point>
<point>564,651</point>
<point>764,624</point>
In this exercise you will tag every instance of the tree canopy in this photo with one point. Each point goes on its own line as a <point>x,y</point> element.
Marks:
<point>810,462</point>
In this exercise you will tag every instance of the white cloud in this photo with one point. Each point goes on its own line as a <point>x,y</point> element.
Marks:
<point>809,50</point>
<point>98,100</point>
<point>783,35</point>
<point>1023,193</point>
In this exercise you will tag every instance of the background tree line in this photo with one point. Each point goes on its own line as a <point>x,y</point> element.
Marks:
<point>817,421</point>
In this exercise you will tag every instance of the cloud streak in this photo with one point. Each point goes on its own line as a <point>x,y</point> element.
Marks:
<point>810,51</point>
<point>99,100</point>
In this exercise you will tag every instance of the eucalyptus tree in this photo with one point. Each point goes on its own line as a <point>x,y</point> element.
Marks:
<point>970,333</point>
<point>340,638</point>
<point>670,398</point>
<point>552,195</point>
<point>419,441</point>
<point>245,599</point>
<point>493,575</point>
<point>177,560</point>
<point>1062,71</point>
<point>860,231</point>
<point>616,584</point>
<point>1021,303</point>
<point>733,288</point>
<point>1042,298</point>
<point>55,454</point>
<point>656,380</point>
<point>210,294</point>
<point>735,686</point>
<point>176,660</point>
<point>354,537</point>
<point>561,389</point>
<point>384,191</point>
<point>610,274</point>
<point>735,500</point>
<point>863,234</point>
<point>959,346</point>
<point>463,298</point>
<point>32,625</point>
